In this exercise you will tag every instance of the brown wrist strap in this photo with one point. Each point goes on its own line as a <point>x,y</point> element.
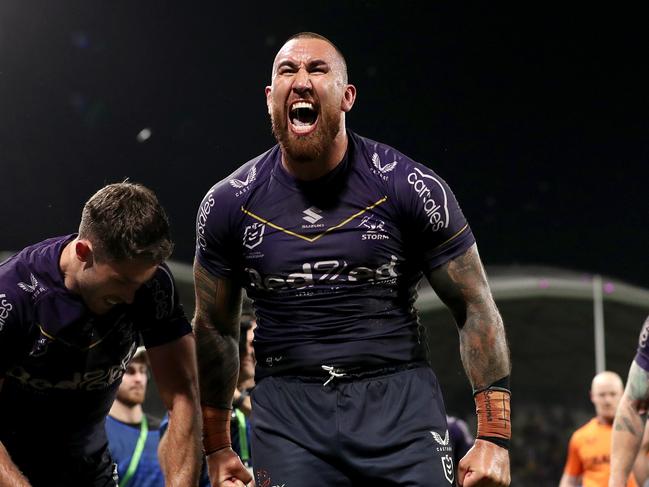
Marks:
<point>494,416</point>
<point>216,429</point>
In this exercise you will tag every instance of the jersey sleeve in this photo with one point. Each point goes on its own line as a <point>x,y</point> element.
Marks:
<point>12,328</point>
<point>433,220</point>
<point>161,316</point>
<point>573,466</point>
<point>215,250</point>
<point>642,354</point>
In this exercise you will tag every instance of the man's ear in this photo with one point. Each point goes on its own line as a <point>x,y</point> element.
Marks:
<point>83,251</point>
<point>349,97</point>
<point>267,91</point>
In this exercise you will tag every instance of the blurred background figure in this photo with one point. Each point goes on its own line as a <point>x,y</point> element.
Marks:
<point>241,404</point>
<point>460,437</point>
<point>589,450</point>
<point>133,435</point>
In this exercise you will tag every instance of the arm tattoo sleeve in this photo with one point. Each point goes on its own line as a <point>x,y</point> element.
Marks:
<point>216,326</point>
<point>462,284</point>
<point>632,412</point>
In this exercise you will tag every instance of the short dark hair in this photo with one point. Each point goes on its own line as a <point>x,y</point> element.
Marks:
<point>126,221</point>
<point>313,35</point>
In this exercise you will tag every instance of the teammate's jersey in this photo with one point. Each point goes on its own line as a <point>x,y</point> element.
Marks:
<point>642,354</point>
<point>332,265</point>
<point>461,438</point>
<point>62,364</point>
<point>589,455</point>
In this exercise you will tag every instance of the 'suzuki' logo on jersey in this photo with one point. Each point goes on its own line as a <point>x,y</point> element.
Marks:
<point>312,214</point>
<point>436,211</point>
<point>5,309</point>
<point>203,213</point>
<point>322,273</point>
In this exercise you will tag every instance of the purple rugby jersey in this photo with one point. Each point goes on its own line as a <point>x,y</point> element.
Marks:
<point>332,265</point>
<point>62,364</point>
<point>642,354</point>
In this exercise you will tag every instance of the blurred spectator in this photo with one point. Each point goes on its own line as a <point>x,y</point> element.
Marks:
<point>133,436</point>
<point>589,450</point>
<point>242,407</point>
<point>461,439</point>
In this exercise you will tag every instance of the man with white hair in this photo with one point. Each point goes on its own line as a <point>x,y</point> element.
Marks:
<point>589,450</point>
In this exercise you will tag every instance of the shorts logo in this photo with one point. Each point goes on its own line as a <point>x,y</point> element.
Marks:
<point>382,170</point>
<point>5,309</point>
<point>436,211</point>
<point>312,214</point>
<point>35,289</point>
<point>438,438</point>
<point>253,235</point>
<point>449,471</point>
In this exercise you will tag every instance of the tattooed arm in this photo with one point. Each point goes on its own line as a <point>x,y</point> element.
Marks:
<point>216,326</point>
<point>462,284</point>
<point>628,427</point>
<point>641,464</point>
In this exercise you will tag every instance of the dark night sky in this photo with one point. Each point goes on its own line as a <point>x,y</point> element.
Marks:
<point>538,119</point>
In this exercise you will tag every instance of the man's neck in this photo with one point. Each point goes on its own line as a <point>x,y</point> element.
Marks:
<point>67,266</point>
<point>605,421</point>
<point>125,413</point>
<point>327,162</point>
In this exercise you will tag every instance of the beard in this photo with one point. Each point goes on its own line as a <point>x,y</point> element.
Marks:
<point>306,148</point>
<point>131,397</point>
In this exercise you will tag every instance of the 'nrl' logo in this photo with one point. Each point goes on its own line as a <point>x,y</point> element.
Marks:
<point>253,235</point>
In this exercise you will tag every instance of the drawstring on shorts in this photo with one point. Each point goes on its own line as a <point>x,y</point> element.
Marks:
<point>333,373</point>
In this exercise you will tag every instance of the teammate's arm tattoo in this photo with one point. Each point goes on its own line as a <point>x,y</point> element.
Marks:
<point>632,413</point>
<point>462,285</point>
<point>629,425</point>
<point>216,326</point>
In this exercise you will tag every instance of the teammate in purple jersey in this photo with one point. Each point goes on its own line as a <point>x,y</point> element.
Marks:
<point>73,310</point>
<point>631,416</point>
<point>330,233</point>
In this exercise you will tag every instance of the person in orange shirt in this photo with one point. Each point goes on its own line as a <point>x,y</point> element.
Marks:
<point>589,450</point>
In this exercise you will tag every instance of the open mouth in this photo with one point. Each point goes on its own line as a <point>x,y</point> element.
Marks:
<point>303,117</point>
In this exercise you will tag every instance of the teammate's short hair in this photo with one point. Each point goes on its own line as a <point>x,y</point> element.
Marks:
<point>126,221</point>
